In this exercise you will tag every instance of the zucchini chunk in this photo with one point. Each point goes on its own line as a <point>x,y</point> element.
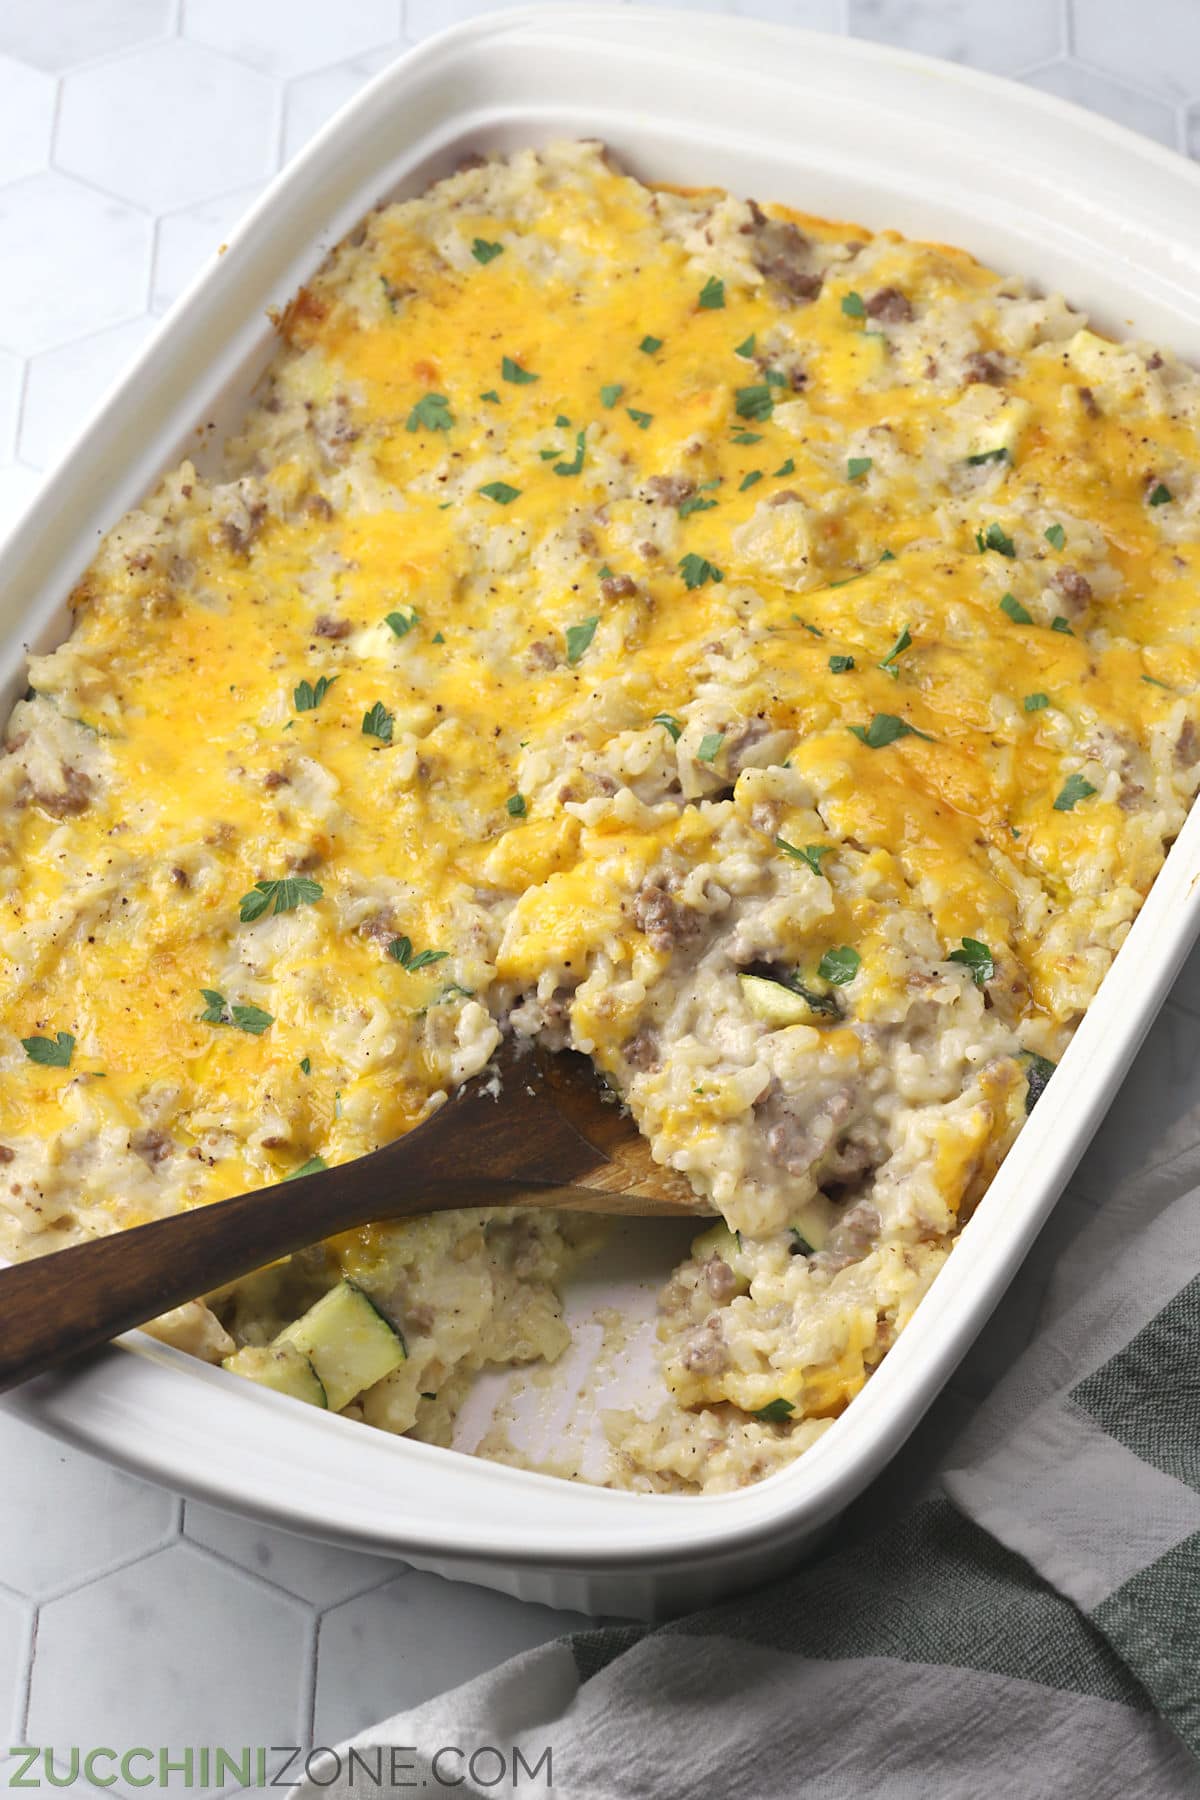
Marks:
<point>348,1341</point>
<point>280,1367</point>
<point>773,1003</point>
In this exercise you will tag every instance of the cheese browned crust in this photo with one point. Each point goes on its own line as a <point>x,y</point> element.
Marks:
<point>611,594</point>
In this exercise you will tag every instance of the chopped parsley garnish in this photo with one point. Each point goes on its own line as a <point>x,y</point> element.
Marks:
<point>1060,624</point>
<point>313,1166</point>
<point>775,377</point>
<point>579,637</point>
<point>549,455</point>
<point>575,466</point>
<point>306,1065</point>
<point>1038,1070</point>
<point>640,419</point>
<point>746,347</point>
<point>432,413</point>
<point>1035,702</point>
<point>712,294</point>
<point>500,492</point>
<point>563,423</point>
<point>841,665</point>
<point>400,950</point>
<point>749,480</point>
<point>813,630</point>
<point>710,745</point>
<point>785,468</point>
<point>902,643</point>
<point>278,897</point>
<point>995,538</point>
<point>747,437</point>
<point>437,638</point>
<point>378,723</point>
<point>307,696</point>
<point>839,966</point>
<point>884,729</point>
<point>512,371</point>
<point>775,1411</point>
<point>491,395</point>
<point>670,725</point>
<point>1074,789</point>
<point>1153,681</point>
<point>402,622</point>
<point>987,456</point>
<point>1054,534</point>
<point>650,345</point>
<point>483,252</point>
<point>389,292</point>
<point>755,402</point>
<point>515,806</point>
<point>853,306</point>
<point>978,958</point>
<point>696,570</point>
<point>610,394</point>
<point>694,503</point>
<point>1016,612</point>
<point>246,1018</point>
<point>1159,494</point>
<point>52,1053</point>
<point>807,853</point>
<point>857,467</point>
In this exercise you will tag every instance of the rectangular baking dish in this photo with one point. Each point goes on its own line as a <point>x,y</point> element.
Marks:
<point>847,129</point>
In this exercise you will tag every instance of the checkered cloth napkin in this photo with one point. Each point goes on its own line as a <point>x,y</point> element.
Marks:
<point>1026,1624</point>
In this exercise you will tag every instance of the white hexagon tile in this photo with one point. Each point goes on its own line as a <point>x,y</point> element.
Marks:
<point>133,134</point>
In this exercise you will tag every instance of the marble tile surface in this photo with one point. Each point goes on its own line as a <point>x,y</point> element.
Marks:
<point>133,134</point>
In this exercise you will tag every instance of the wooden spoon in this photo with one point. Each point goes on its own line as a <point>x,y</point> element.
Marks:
<point>533,1129</point>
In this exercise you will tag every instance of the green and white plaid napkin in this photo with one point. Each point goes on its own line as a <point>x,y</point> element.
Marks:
<point>1027,1624</point>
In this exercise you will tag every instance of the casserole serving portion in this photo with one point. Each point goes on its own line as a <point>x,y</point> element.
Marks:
<point>755,652</point>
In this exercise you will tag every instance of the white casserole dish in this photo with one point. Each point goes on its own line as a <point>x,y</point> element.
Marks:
<point>846,129</point>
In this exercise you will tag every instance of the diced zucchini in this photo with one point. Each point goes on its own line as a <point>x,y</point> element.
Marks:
<point>282,1368</point>
<point>349,1342</point>
<point>719,1241</point>
<point>773,1003</point>
<point>813,1222</point>
<point>992,421</point>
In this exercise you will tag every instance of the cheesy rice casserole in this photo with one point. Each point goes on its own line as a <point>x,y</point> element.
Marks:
<point>755,652</point>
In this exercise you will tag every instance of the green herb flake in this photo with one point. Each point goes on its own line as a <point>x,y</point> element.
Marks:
<point>1016,612</point>
<point>1055,535</point>
<point>694,504</point>
<point>512,371</point>
<point>491,395</point>
<point>313,1166</point>
<point>575,466</point>
<point>746,347</point>
<point>886,728</point>
<point>402,622</point>
<point>650,345</point>
<point>400,950</point>
<point>378,723</point>
<point>610,394</point>
<point>995,538</point>
<point>579,638</point>
<point>987,456</point>
<point>483,252</point>
<point>775,378</point>
<point>785,468</point>
<point>841,665</point>
<point>857,467</point>
<point>747,437</point>
<point>710,746</point>
<point>1038,1070</point>
<point>839,966</point>
<point>978,958</point>
<point>1074,789</point>
<point>749,480</point>
<point>712,295</point>
<point>755,402</point>
<point>696,570</point>
<point>307,696</point>
<point>437,638</point>
<point>853,306</point>
<point>670,725</point>
<point>52,1053</point>
<point>1152,681</point>
<point>807,853</point>
<point>431,413</point>
<point>515,806</point>
<point>1061,624</point>
<point>252,1019</point>
<point>641,419</point>
<point>775,1412</point>
<point>306,1065</point>
<point>902,643</point>
<point>1036,702</point>
<point>1159,494</point>
<point>500,492</point>
<point>278,897</point>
